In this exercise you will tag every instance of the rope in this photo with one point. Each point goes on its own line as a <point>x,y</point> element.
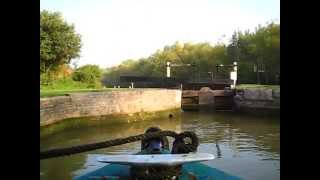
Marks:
<point>182,147</point>
<point>179,145</point>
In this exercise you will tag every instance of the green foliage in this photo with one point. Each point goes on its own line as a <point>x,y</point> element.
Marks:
<point>59,42</point>
<point>85,77</point>
<point>62,92</point>
<point>203,55</point>
<point>64,84</point>
<point>258,86</point>
<point>260,48</point>
<point>89,74</point>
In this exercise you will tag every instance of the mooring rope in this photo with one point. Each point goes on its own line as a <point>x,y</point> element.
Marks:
<point>179,145</point>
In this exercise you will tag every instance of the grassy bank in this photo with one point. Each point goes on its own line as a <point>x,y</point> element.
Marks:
<point>66,86</point>
<point>50,93</point>
<point>257,86</point>
<point>62,92</point>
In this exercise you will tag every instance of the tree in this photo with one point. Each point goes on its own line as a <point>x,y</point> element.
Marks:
<point>233,50</point>
<point>59,43</point>
<point>261,47</point>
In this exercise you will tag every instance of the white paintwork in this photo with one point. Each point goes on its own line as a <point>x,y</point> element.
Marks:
<point>156,159</point>
<point>233,75</point>
<point>168,69</point>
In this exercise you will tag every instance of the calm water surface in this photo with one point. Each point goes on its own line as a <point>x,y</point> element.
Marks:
<point>245,145</point>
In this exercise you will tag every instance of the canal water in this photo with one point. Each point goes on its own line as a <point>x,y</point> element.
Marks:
<point>245,145</point>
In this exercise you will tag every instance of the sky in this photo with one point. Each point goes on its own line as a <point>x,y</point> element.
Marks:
<point>116,30</point>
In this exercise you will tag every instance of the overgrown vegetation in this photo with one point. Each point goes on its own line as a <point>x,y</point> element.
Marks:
<point>257,86</point>
<point>59,44</point>
<point>89,74</point>
<point>257,54</point>
<point>59,92</point>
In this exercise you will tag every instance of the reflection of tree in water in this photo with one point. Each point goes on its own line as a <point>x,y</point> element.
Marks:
<point>94,131</point>
<point>99,130</point>
<point>218,150</point>
<point>61,168</point>
<point>241,132</point>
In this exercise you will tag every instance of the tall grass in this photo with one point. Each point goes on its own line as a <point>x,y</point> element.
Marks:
<point>68,84</point>
<point>257,86</point>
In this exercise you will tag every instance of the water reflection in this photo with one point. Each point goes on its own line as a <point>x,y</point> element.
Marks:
<point>247,146</point>
<point>241,132</point>
<point>94,131</point>
<point>218,150</point>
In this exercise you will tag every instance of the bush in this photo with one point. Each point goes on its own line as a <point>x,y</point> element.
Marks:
<point>89,74</point>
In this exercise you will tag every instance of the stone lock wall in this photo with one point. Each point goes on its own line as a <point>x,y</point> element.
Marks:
<point>54,109</point>
<point>258,99</point>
